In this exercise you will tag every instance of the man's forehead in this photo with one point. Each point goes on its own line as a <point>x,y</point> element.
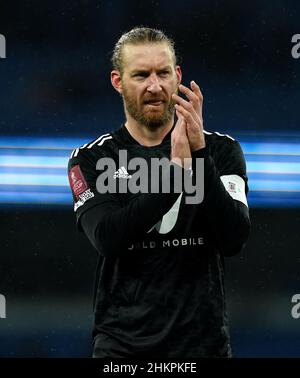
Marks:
<point>146,55</point>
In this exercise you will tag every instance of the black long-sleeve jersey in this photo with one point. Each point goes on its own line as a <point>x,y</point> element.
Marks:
<point>160,276</point>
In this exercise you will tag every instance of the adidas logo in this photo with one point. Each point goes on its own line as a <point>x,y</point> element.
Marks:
<point>121,173</point>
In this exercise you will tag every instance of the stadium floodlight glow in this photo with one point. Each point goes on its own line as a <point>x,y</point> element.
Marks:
<point>41,161</point>
<point>274,149</point>
<point>34,171</point>
<point>273,167</point>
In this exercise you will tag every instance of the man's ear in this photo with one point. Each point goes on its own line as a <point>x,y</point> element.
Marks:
<point>116,81</point>
<point>178,74</point>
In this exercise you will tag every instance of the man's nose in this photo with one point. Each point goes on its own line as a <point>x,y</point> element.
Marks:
<point>154,84</point>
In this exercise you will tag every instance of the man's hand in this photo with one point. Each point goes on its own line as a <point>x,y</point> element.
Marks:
<point>191,112</point>
<point>180,148</point>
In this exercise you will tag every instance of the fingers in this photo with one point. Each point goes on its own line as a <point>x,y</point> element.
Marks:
<point>196,89</point>
<point>180,127</point>
<point>189,93</point>
<point>186,105</point>
<point>191,113</point>
<point>186,114</point>
<point>180,148</point>
<point>194,96</point>
<point>191,124</point>
<point>179,116</point>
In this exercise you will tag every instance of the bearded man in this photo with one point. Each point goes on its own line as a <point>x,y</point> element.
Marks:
<point>159,288</point>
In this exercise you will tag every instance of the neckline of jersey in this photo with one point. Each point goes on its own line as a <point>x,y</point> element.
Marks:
<point>129,138</point>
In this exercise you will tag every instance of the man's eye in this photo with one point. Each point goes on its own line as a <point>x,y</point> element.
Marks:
<point>140,75</point>
<point>164,73</point>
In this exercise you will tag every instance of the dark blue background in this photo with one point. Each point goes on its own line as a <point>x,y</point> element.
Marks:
<point>55,81</point>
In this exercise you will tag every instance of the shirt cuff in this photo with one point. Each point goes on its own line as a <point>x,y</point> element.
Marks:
<point>201,153</point>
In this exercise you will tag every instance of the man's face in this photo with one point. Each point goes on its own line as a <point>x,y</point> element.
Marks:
<point>148,81</point>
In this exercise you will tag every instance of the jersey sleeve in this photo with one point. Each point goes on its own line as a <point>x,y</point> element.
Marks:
<point>232,170</point>
<point>110,225</point>
<point>82,176</point>
<point>225,196</point>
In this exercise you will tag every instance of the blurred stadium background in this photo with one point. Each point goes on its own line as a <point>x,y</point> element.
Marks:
<point>55,95</point>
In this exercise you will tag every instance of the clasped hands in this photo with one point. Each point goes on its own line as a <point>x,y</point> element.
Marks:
<point>187,135</point>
